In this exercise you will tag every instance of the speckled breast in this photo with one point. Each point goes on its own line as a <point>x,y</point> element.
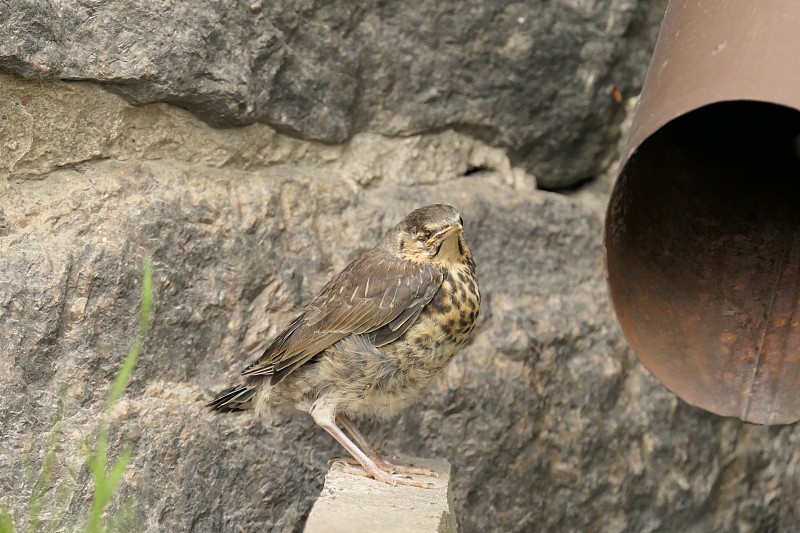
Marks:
<point>445,324</point>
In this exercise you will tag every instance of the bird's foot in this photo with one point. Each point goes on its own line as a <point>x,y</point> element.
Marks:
<point>379,475</point>
<point>389,467</point>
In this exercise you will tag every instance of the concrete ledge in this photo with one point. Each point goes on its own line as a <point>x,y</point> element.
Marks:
<point>354,504</point>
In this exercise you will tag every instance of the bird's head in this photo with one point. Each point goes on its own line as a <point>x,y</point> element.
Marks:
<point>432,234</point>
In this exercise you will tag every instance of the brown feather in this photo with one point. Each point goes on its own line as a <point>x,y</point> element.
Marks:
<point>359,300</point>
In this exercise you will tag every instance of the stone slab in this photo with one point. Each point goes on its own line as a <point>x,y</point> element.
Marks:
<point>354,504</point>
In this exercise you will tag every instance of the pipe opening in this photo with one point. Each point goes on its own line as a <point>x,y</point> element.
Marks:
<point>703,252</point>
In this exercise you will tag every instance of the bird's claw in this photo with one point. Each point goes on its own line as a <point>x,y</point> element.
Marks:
<point>389,479</point>
<point>386,466</point>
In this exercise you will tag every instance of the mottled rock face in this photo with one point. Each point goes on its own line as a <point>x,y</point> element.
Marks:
<point>547,418</point>
<point>534,78</point>
<point>549,421</point>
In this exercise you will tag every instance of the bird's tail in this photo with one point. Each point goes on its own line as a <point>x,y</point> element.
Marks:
<point>234,399</point>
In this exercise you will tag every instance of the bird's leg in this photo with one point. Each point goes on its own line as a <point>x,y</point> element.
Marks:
<point>362,443</point>
<point>325,418</point>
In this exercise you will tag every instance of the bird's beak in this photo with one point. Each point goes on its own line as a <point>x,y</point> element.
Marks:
<point>444,235</point>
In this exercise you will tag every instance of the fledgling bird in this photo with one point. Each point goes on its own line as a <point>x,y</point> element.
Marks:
<point>374,337</point>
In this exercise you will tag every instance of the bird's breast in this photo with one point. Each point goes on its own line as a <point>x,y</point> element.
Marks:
<point>444,325</point>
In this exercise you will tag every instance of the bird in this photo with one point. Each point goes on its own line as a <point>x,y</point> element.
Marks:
<point>372,339</point>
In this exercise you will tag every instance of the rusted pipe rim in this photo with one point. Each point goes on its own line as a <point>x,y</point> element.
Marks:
<point>703,227</point>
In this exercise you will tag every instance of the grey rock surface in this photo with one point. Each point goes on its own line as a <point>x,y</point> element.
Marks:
<point>548,420</point>
<point>534,78</point>
<point>48,125</point>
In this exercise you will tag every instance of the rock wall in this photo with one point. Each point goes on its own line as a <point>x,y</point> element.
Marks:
<point>535,78</point>
<point>549,421</point>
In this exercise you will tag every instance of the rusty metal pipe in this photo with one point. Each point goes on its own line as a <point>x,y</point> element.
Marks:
<point>703,225</point>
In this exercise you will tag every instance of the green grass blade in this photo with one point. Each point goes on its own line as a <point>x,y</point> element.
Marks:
<point>107,482</point>
<point>124,375</point>
<point>115,476</point>
<point>97,461</point>
<point>6,522</point>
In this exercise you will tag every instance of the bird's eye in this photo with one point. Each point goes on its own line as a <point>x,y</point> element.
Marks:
<point>461,221</point>
<point>425,234</point>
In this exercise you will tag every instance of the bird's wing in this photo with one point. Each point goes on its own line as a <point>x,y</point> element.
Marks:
<point>373,296</point>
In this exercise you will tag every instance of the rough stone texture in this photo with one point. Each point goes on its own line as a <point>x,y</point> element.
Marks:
<point>534,78</point>
<point>48,125</point>
<point>547,418</point>
<point>352,504</point>
<point>549,421</point>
